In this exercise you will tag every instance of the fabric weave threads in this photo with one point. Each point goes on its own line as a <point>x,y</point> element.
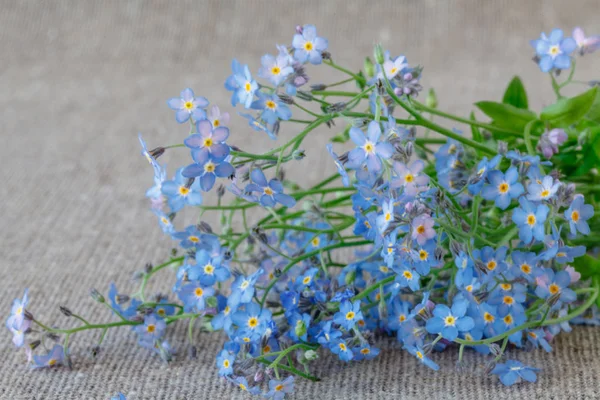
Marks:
<point>80,79</point>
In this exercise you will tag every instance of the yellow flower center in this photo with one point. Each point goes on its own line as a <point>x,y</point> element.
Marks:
<point>198,292</point>
<point>244,284</point>
<point>508,300</point>
<point>266,349</point>
<point>531,219</point>
<point>423,255</point>
<point>421,229</point>
<point>253,322</point>
<point>388,216</point>
<point>51,362</point>
<point>275,70</point>
<point>393,70</point>
<point>350,315</point>
<point>469,288</point>
<point>306,280</point>
<point>408,275</point>
<point>161,312</point>
<point>183,190</point>
<point>209,269</point>
<point>242,386</point>
<point>316,241</point>
<point>208,142</point>
<point>402,318</point>
<point>226,363</point>
<point>409,178</point>
<point>164,220</point>
<point>488,317</point>
<point>508,319</point>
<point>367,224</point>
<point>151,328</point>
<point>268,191</point>
<point>194,239</point>
<point>491,265</point>
<point>308,46</point>
<point>545,193</point>
<point>369,147</point>
<point>384,269</point>
<point>554,50</point>
<point>532,334</point>
<point>342,346</point>
<point>188,105</point>
<point>503,187</point>
<point>278,388</point>
<point>209,167</point>
<point>270,104</point>
<point>506,286</point>
<point>449,320</point>
<point>248,86</point>
<point>365,351</point>
<point>575,216</point>
<point>526,268</point>
<point>419,355</point>
<point>216,123</point>
<point>554,288</point>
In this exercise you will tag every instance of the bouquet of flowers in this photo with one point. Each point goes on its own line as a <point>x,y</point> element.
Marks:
<point>484,239</point>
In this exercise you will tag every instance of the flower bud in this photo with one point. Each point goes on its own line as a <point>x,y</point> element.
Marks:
<point>97,296</point>
<point>65,311</point>
<point>378,54</point>
<point>350,277</point>
<point>311,355</point>
<point>148,268</point>
<point>122,298</point>
<point>95,350</point>
<point>204,227</point>
<point>192,352</point>
<point>431,99</point>
<point>33,345</point>
<point>302,95</point>
<point>298,154</point>
<point>300,329</point>
<point>157,152</point>
<point>369,67</point>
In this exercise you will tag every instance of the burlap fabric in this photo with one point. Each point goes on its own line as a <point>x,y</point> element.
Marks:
<point>79,79</point>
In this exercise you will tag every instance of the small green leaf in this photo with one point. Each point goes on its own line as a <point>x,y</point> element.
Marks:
<point>594,111</point>
<point>567,111</point>
<point>587,266</point>
<point>506,115</point>
<point>342,137</point>
<point>515,94</point>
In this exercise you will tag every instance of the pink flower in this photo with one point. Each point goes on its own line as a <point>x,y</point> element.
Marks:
<point>422,229</point>
<point>585,44</point>
<point>575,276</point>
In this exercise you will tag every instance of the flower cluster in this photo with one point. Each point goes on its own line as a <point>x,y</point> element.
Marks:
<point>457,241</point>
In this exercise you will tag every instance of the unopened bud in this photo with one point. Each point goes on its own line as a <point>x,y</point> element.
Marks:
<point>95,350</point>
<point>148,268</point>
<point>369,67</point>
<point>204,227</point>
<point>33,345</point>
<point>28,316</point>
<point>431,99</point>
<point>65,311</point>
<point>326,55</point>
<point>97,296</point>
<point>298,154</point>
<point>302,95</point>
<point>286,99</point>
<point>300,329</point>
<point>311,355</point>
<point>157,152</point>
<point>350,277</point>
<point>318,87</point>
<point>379,55</point>
<point>122,298</point>
<point>220,191</point>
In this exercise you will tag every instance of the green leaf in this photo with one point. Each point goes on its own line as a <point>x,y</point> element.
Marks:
<point>567,111</point>
<point>506,115</point>
<point>594,111</point>
<point>587,266</point>
<point>515,94</point>
<point>595,140</point>
<point>342,137</point>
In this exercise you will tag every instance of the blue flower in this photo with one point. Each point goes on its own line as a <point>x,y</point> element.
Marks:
<point>399,312</point>
<point>408,277</point>
<point>530,219</point>
<point>194,296</point>
<point>556,286</point>
<point>163,309</point>
<point>386,217</point>
<point>259,125</point>
<point>418,352</point>
<point>327,334</point>
<point>187,105</point>
<point>180,192</point>
<point>492,260</point>
<point>152,330</point>
<point>365,352</point>
<point>252,318</point>
<point>242,289</point>
<point>190,237</point>
<point>225,362</point>
<point>525,264</point>
<point>208,168</point>
<point>308,46</point>
<point>116,301</point>
<point>151,160</point>
<point>53,358</point>
<point>119,396</point>
<point>482,172</point>
<point>223,319</point>
<point>278,389</point>
<point>503,187</point>
<point>306,279</point>
<point>512,371</point>
<point>273,109</point>
<point>348,315</point>
<point>339,347</point>
<point>270,192</point>
<point>208,140</point>
<point>448,322</point>
<point>554,50</point>
<point>511,320</point>
<point>299,324</point>
<point>242,383</point>
<point>538,338</point>
<point>164,221</point>
<point>369,149</point>
<point>577,214</point>
<point>339,165</point>
<point>207,269</point>
<point>275,68</point>
<point>242,84</point>
<point>544,190</point>
<point>17,311</point>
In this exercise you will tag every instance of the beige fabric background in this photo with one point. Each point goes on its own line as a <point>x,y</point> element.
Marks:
<point>79,79</point>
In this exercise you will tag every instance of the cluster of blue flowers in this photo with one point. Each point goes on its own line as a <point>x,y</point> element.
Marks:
<point>456,249</point>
